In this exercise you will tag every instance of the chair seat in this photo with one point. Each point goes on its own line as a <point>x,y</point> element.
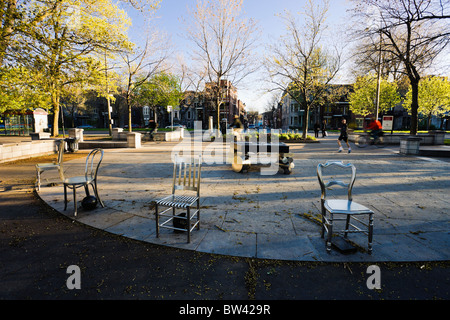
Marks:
<point>80,180</point>
<point>345,207</point>
<point>177,201</point>
<point>47,166</point>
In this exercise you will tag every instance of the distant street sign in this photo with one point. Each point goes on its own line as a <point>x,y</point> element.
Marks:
<point>388,122</point>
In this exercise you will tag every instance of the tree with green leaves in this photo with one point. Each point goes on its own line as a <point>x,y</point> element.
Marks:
<point>362,99</point>
<point>434,97</point>
<point>161,90</point>
<point>20,89</point>
<point>63,43</point>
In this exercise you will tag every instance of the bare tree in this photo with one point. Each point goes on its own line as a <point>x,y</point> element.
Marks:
<point>368,58</point>
<point>414,33</point>
<point>140,65</point>
<point>224,39</point>
<point>298,64</point>
<point>192,79</point>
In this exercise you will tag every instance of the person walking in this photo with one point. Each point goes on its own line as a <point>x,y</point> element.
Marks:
<point>316,129</point>
<point>324,128</point>
<point>343,136</point>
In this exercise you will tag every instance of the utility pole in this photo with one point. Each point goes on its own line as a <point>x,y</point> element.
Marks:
<point>107,98</point>
<point>377,101</point>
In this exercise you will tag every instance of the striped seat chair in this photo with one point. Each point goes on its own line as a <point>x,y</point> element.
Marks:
<point>186,178</point>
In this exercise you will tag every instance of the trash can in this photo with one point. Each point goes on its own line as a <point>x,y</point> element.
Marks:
<point>71,144</point>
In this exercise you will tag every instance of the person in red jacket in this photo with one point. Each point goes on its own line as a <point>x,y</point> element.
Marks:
<point>376,128</point>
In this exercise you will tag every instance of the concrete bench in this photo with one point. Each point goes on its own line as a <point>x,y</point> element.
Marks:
<point>39,135</point>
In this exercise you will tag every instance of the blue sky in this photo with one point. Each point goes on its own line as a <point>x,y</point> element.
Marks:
<point>263,11</point>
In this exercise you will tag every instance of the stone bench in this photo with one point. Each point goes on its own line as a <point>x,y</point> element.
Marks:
<point>39,135</point>
<point>432,138</point>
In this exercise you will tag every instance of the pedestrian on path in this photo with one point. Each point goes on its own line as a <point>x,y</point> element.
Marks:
<point>343,136</point>
<point>324,128</point>
<point>316,129</point>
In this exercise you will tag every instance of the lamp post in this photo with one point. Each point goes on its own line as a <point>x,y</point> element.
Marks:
<point>377,102</point>
<point>374,22</point>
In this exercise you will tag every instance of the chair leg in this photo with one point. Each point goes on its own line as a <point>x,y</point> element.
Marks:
<point>370,232</point>
<point>198,214</point>
<point>322,232</point>
<point>38,178</point>
<point>347,223</point>
<point>94,186</point>
<point>188,224</point>
<point>86,190</point>
<point>330,232</point>
<point>157,220</point>
<point>75,201</point>
<point>65,197</point>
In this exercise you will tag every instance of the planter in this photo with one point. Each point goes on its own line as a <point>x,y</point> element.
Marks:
<point>116,133</point>
<point>438,136</point>
<point>134,140</point>
<point>76,133</point>
<point>410,145</point>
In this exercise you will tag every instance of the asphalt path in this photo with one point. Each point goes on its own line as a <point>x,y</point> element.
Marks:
<point>38,245</point>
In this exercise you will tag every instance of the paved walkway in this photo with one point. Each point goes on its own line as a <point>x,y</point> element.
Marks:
<point>274,217</point>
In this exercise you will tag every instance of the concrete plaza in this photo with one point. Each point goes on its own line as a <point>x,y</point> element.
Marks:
<point>274,216</point>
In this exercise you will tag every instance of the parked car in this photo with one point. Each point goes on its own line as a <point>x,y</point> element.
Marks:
<point>134,126</point>
<point>86,126</point>
<point>176,126</point>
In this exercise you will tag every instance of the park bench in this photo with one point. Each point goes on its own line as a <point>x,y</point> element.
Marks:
<point>247,153</point>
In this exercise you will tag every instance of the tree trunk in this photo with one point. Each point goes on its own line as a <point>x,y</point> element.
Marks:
<point>129,112</point>
<point>7,28</point>
<point>414,106</point>
<point>306,108</point>
<point>306,121</point>
<point>55,106</point>
<point>218,97</point>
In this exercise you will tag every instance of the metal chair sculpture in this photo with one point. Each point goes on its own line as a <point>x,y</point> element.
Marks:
<point>41,167</point>
<point>340,207</point>
<point>93,161</point>
<point>186,176</point>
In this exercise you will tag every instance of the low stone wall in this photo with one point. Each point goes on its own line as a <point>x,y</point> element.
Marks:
<point>24,150</point>
<point>169,135</point>
<point>432,138</point>
<point>119,134</point>
<point>102,144</point>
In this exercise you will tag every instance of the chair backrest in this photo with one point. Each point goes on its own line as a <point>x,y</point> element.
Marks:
<point>332,182</point>
<point>187,173</point>
<point>93,161</point>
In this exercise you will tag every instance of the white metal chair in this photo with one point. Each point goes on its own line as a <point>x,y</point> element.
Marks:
<point>186,176</point>
<point>93,161</point>
<point>339,207</point>
<point>41,167</point>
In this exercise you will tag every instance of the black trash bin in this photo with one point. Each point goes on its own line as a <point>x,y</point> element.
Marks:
<point>72,144</point>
